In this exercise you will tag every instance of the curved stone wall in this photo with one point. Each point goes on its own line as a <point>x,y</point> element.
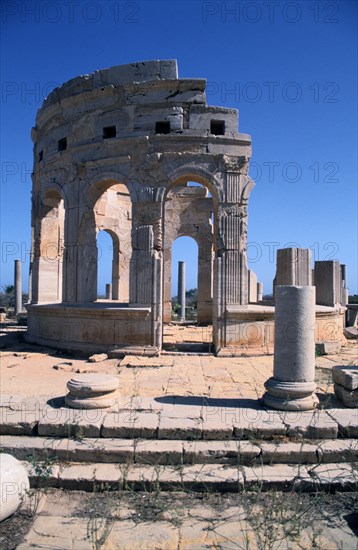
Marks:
<point>108,149</point>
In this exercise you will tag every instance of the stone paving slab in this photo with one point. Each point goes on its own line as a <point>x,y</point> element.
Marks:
<point>185,522</point>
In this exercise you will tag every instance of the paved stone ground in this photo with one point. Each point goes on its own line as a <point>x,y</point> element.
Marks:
<point>150,520</point>
<point>182,521</point>
<point>181,375</point>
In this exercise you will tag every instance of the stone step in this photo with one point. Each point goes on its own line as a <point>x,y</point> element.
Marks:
<point>161,420</point>
<point>198,477</point>
<point>174,453</point>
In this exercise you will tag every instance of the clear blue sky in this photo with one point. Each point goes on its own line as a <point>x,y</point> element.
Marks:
<point>289,67</point>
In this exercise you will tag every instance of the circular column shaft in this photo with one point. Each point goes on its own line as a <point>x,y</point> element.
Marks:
<point>292,385</point>
<point>18,287</point>
<point>181,289</point>
<point>260,291</point>
<point>108,291</point>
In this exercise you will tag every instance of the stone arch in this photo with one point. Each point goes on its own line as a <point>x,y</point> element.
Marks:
<point>97,185</point>
<point>117,292</point>
<point>187,252</point>
<point>189,172</point>
<point>46,268</point>
<point>109,208</point>
<point>54,189</point>
<point>187,211</point>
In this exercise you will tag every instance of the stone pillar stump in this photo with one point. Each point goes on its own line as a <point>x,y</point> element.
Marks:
<point>292,385</point>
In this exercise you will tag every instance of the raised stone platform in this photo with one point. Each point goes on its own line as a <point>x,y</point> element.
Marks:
<point>118,329</point>
<point>91,328</point>
<point>253,326</point>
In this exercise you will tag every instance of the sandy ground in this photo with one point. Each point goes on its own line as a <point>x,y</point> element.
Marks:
<point>31,371</point>
<point>133,521</point>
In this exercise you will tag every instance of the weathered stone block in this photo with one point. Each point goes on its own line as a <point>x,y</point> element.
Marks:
<point>70,423</point>
<point>311,425</point>
<point>327,280</point>
<point>294,267</point>
<point>347,421</point>
<point>351,333</point>
<point>130,424</point>
<point>179,428</point>
<point>348,397</point>
<point>346,377</point>
<point>328,348</point>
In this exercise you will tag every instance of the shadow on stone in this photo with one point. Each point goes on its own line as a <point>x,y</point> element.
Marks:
<point>330,401</point>
<point>200,401</point>
<point>57,402</point>
<point>352,521</point>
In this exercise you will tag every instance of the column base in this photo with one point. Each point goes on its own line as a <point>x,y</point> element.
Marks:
<point>290,396</point>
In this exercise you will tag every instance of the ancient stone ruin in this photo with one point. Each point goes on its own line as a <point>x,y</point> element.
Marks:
<point>115,150</point>
<point>135,151</point>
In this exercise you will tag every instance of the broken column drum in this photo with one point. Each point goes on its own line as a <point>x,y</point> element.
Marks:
<point>117,151</point>
<point>292,385</point>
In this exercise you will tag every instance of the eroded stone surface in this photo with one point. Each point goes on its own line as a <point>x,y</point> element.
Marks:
<point>346,376</point>
<point>348,397</point>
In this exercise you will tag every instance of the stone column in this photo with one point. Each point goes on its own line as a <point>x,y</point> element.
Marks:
<point>18,287</point>
<point>292,385</point>
<point>205,283</point>
<point>327,278</point>
<point>252,284</point>
<point>344,287</point>
<point>108,291</point>
<point>181,289</point>
<point>260,292</point>
<point>293,267</point>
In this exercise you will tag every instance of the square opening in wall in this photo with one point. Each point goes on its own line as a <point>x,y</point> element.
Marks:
<point>109,132</point>
<point>162,127</point>
<point>62,144</point>
<point>217,127</point>
<point>41,156</point>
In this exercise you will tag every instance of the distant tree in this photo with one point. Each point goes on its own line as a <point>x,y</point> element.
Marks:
<point>8,296</point>
<point>353,299</point>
